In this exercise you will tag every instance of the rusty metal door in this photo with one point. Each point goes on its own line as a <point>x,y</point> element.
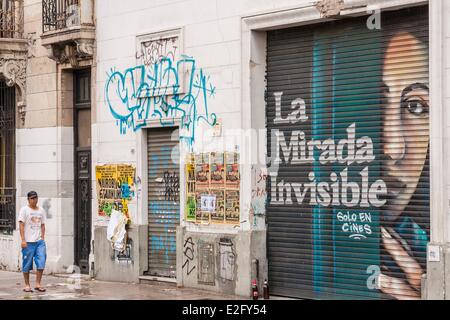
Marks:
<point>163,201</point>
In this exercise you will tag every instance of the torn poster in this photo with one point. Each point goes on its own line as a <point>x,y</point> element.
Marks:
<point>116,230</point>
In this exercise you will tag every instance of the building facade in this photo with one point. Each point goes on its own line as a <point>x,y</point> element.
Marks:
<point>303,143</point>
<point>46,56</point>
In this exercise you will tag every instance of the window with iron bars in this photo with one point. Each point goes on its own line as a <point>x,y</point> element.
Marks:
<point>7,159</point>
<point>11,18</point>
<point>60,14</point>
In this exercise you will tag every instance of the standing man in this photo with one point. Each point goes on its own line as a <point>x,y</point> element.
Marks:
<point>32,231</point>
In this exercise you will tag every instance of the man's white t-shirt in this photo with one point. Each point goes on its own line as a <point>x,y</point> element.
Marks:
<point>33,219</point>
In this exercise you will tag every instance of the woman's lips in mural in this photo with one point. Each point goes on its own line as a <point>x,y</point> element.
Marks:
<point>395,186</point>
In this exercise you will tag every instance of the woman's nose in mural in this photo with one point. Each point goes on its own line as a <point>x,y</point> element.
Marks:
<point>394,143</point>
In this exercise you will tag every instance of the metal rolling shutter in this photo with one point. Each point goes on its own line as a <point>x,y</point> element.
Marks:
<point>372,82</point>
<point>163,201</point>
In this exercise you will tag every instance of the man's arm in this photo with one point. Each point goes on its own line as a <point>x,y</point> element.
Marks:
<point>22,234</point>
<point>43,231</point>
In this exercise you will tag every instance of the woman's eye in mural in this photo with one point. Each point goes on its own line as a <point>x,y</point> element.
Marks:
<point>415,99</point>
<point>416,105</point>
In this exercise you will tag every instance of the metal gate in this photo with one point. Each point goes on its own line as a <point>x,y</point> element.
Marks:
<point>348,138</point>
<point>163,201</point>
<point>83,176</point>
<point>7,159</point>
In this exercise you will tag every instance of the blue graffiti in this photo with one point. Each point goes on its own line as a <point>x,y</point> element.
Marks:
<point>144,93</point>
<point>164,244</point>
<point>159,160</point>
<point>126,191</point>
<point>166,214</point>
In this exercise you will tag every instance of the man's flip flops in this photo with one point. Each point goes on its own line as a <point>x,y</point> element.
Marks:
<point>40,289</point>
<point>28,290</point>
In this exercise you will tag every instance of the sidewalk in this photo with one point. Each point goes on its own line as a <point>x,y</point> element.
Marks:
<point>63,288</point>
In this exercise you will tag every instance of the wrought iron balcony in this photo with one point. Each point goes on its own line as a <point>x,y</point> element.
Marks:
<point>68,30</point>
<point>11,19</point>
<point>60,14</point>
<point>13,56</point>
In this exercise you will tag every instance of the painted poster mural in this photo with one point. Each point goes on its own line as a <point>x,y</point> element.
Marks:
<point>350,148</point>
<point>209,198</point>
<point>115,188</point>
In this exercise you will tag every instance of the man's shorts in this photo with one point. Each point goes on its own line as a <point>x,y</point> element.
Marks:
<point>38,252</point>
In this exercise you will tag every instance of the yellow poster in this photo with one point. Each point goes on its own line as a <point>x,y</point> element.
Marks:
<point>190,208</point>
<point>115,187</point>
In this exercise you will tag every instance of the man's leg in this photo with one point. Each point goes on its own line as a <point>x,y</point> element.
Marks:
<point>39,278</point>
<point>26,277</point>
<point>40,259</point>
<point>27,265</point>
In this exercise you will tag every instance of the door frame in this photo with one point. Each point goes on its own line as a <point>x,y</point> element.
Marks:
<point>76,150</point>
<point>142,182</point>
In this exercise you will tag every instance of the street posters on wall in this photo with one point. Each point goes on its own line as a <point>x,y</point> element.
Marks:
<point>202,216</point>
<point>232,206</point>
<point>215,176</point>
<point>202,171</point>
<point>190,207</point>
<point>107,189</point>
<point>115,187</point>
<point>217,170</point>
<point>208,202</point>
<point>232,170</point>
<point>218,214</point>
<point>190,174</point>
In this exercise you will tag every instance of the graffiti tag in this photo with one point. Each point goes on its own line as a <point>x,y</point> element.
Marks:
<point>171,183</point>
<point>153,92</point>
<point>189,255</point>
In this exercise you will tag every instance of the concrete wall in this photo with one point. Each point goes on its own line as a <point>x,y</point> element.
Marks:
<point>9,254</point>
<point>46,166</point>
<point>216,262</point>
<point>109,267</point>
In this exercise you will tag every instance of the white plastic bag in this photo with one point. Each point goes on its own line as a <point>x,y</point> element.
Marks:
<point>116,230</point>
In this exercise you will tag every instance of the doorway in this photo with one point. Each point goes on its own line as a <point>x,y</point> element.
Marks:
<point>82,157</point>
<point>163,201</point>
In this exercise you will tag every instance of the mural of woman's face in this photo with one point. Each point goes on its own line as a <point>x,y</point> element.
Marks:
<point>405,120</point>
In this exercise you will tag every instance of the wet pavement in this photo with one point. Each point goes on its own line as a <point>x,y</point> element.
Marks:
<point>63,287</point>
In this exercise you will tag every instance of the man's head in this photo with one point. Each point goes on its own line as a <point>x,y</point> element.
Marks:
<point>32,198</point>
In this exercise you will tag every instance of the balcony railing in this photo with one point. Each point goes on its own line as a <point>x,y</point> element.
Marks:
<point>7,158</point>
<point>11,18</point>
<point>60,14</point>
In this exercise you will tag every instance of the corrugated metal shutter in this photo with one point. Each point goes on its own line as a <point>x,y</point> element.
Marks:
<point>348,210</point>
<point>163,201</point>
